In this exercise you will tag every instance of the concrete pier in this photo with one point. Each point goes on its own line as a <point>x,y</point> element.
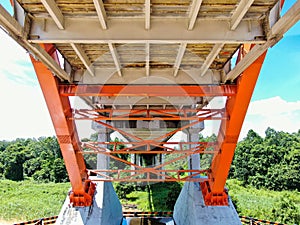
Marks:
<point>105,210</point>
<point>191,210</point>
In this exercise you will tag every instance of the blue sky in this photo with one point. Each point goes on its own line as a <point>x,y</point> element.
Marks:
<point>275,102</point>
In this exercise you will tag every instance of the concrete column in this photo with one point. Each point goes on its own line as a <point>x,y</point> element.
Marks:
<point>106,209</point>
<point>191,210</point>
<point>193,160</point>
<point>103,160</point>
<point>193,136</point>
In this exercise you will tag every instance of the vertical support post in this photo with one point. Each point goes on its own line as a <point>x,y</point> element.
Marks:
<point>60,109</point>
<point>193,136</point>
<point>103,160</point>
<point>236,108</point>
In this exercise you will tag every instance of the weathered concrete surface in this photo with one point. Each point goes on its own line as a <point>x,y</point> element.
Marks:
<point>191,210</point>
<point>106,209</point>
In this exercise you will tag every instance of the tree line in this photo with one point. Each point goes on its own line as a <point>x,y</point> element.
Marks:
<point>38,159</point>
<point>271,162</point>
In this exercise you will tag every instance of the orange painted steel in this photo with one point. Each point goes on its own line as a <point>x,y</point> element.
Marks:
<point>82,180</point>
<point>151,147</point>
<point>236,108</point>
<point>147,175</point>
<point>59,109</point>
<point>147,90</point>
<point>148,114</point>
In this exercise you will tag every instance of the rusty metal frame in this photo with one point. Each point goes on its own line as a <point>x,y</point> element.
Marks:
<point>148,114</point>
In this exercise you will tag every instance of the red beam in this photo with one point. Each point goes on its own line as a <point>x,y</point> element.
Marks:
<point>59,109</point>
<point>236,108</point>
<point>147,90</point>
<point>148,114</point>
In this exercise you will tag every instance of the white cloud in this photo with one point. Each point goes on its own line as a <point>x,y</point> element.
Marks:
<point>23,110</point>
<point>273,112</point>
<point>15,62</point>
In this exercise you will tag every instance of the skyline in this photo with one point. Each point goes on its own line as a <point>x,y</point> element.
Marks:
<point>275,102</point>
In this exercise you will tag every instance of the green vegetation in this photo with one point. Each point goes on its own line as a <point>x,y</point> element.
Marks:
<point>280,206</point>
<point>272,162</point>
<point>264,179</point>
<point>152,197</point>
<point>26,200</point>
<point>39,159</point>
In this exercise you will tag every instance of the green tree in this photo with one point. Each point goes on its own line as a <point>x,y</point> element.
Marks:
<point>271,162</point>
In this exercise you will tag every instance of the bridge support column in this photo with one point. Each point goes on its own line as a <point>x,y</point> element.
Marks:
<point>103,160</point>
<point>190,209</point>
<point>105,209</point>
<point>193,136</point>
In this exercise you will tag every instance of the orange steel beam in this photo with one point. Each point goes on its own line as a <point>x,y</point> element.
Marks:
<point>117,175</point>
<point>147,90</point>
<point>59,108</point>
<point>150,114</point>
<point>236,107</point>
<point>151,147</point>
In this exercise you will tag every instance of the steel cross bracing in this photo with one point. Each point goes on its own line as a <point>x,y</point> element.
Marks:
<point>182,51</point>
<point>148,114</point>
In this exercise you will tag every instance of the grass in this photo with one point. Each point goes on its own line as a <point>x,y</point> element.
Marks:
<point>26,200</point>
<point>162,197</point>
<point>261,203</point>
<point>22,201</point>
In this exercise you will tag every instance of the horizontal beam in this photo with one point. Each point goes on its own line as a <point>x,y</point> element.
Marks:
<point>79,30</point>
<point>157,76</point>
<point>148,114</point>
<point>152,176</point>
<point>147,90</point>
<point>148,147</point>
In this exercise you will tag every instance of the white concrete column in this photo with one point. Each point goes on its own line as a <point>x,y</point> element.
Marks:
<point>194,160</point>
<point>103,160</point>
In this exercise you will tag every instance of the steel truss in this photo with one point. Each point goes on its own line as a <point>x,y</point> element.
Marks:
<point>149,114</point>
<point>142,174</point>
<point>212,180</point>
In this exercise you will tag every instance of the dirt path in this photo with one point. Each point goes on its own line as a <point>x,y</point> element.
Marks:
<point>4,222</point>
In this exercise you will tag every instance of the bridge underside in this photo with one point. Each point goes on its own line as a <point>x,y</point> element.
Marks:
<point>147,70</point>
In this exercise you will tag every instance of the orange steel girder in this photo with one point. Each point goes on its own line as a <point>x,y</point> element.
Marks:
<point>238,98</point>
<point>59,109</point>
<point>236,108</point>
<point>148,114</point>
<point>149,91</point>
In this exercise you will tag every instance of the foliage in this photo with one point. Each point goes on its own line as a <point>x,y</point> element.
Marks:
<point>27,200</point>
<point>39,159</point>
<point>280,206</point>
<point>157,196</point>
<point>271,162</point>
